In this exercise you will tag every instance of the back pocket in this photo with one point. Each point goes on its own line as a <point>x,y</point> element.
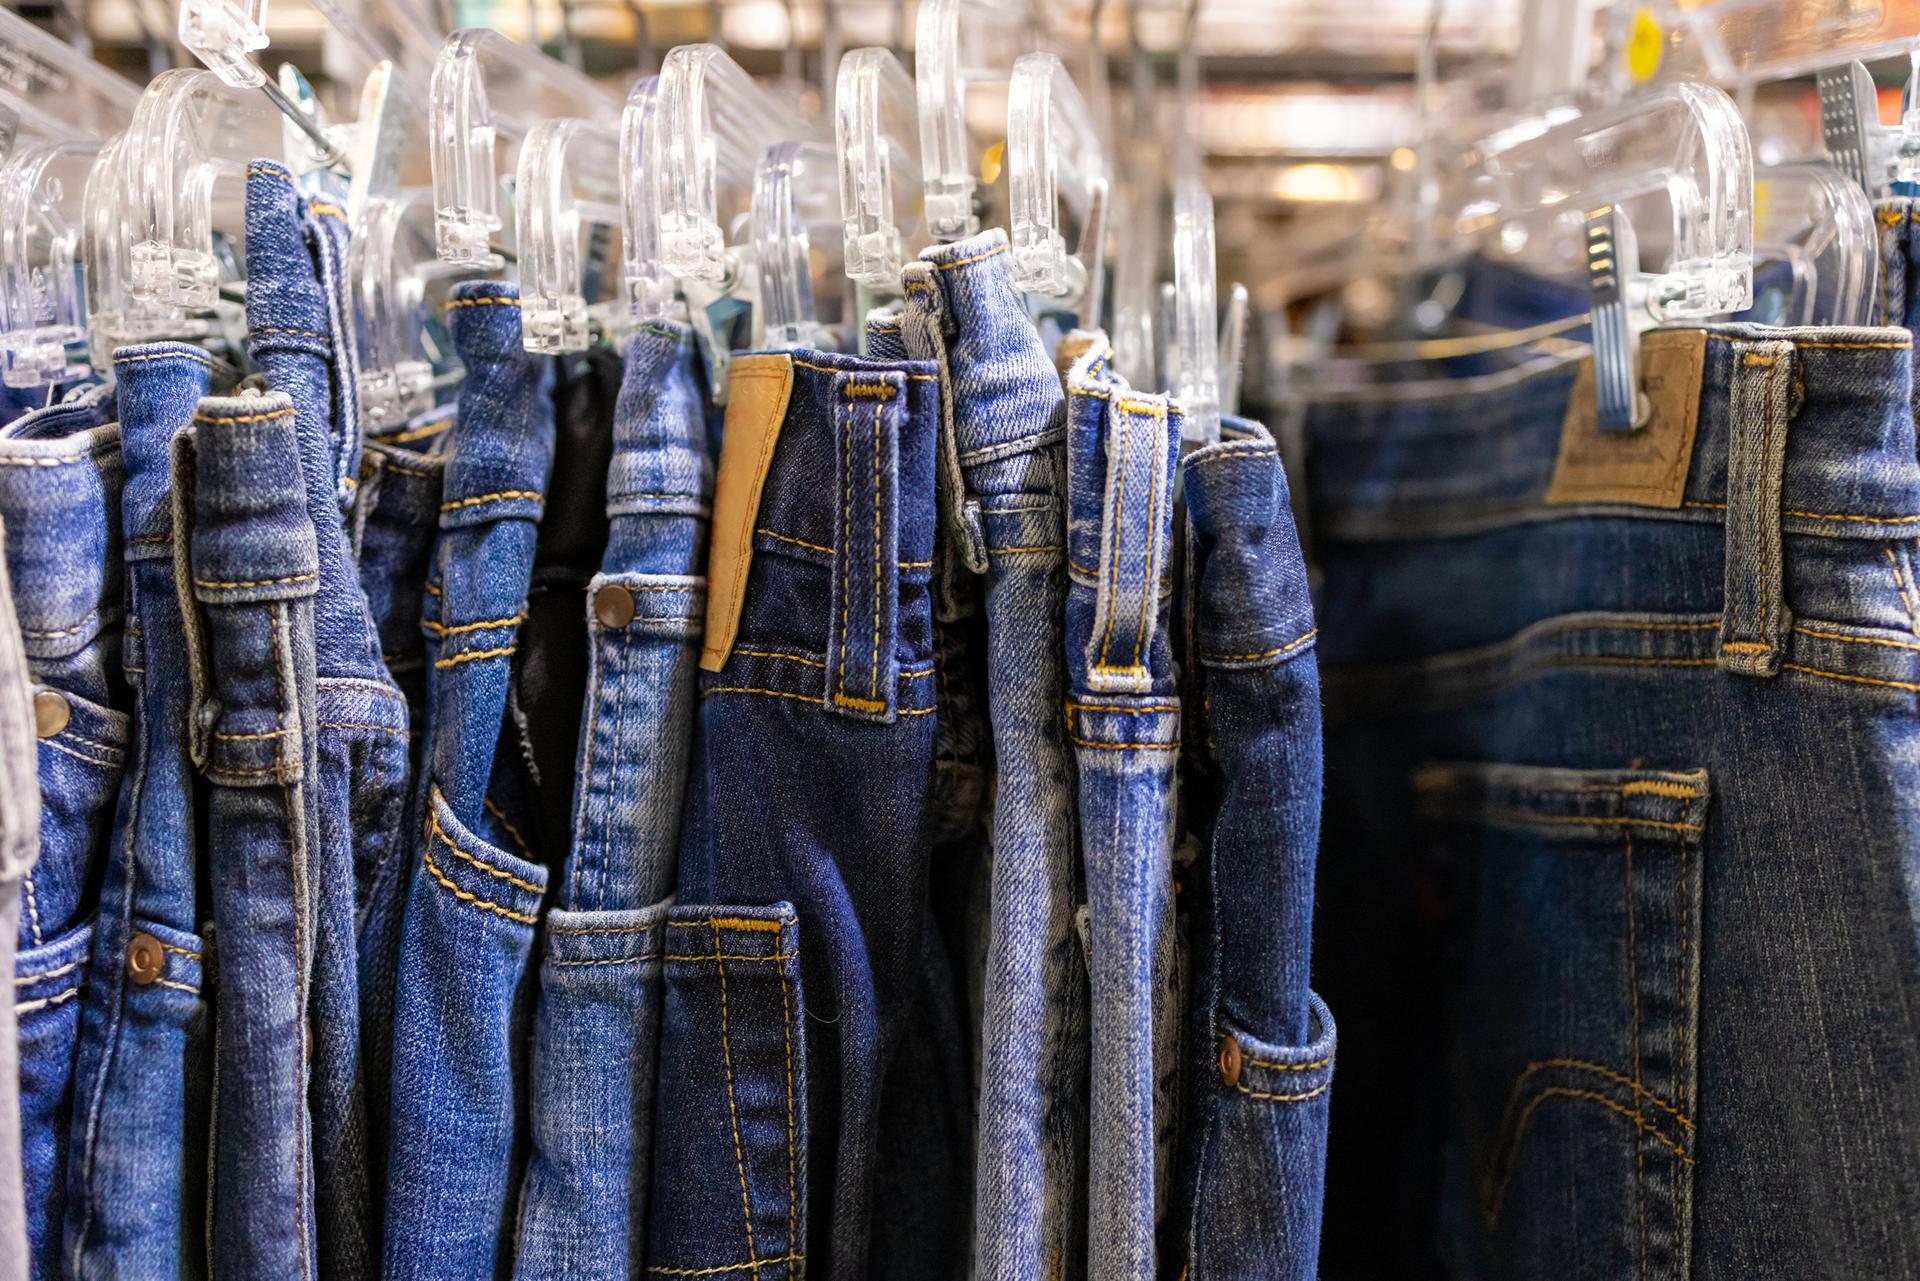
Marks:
<point>1571,1127</point>
<point>730,1129</point>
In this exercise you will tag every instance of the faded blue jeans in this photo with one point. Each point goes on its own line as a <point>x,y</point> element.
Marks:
<point>137,1174</point>
<point>1622,842</point>
<point>597,1030</point>
<point>463,994</point>
<point>61,474</point>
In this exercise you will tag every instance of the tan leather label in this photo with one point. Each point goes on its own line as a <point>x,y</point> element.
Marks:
<point>757,391</point>
<point>1648,467</point>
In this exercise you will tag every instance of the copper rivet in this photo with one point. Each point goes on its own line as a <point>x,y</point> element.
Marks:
<point>613,605</point>
<point>145,958</point>
<point>50,712</point>
<point>1230,1060</point>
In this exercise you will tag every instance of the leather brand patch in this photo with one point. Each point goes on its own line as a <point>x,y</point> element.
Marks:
<point>1648,467</point>
<point>757,392</point>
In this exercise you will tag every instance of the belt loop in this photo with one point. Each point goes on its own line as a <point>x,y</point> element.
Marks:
<point>962,533</point>
<point>1755,622</point>
<point>1136,528</point>
<point>185,466</point>
<point>862,671</point>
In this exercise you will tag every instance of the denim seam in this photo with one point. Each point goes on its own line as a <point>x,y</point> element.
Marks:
<point>58,998</point>
<point>1497,1196</point>
<point>33,906</point>
<point>753,1265</point>
<point>786,1030</point>
<point>1288,648</point>
<point>473,655</point>
<point>283,693</point>
<point>485,905</point>
<point>1901,583</point>
<point>58,746</point>
<point>804,698</point>
<point>733,1108</point>
<point>434,829</point>
<point>455,504</point>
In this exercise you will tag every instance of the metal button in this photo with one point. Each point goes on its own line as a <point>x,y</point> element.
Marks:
<point>146,959</point>
<point>50,712</point>
<point>1230,1060</point>
<point>613,605</point>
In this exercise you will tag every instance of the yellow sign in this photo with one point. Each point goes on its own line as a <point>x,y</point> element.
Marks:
<point>1645,43</point>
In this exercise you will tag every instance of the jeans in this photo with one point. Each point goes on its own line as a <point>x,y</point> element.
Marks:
<point>1620,796</point>
<point>596,1033</point>
<point>396,515</point>
<point>137,1179</point>
<point>804,856</point>
<point>1004,439</point>
<point>1123,718</point>
<point>245,554</point>
<point>61,474</point>
<point>19,847</point>
<point>463,997</point>
<point>1258,1059</point>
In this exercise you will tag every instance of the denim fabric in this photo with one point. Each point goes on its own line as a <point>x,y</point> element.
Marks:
<point>550,678</point>
<point>1618,908</point>
<point>1259,1050</point>
<point>1006,421</point>
<point>1123,719</point>
<point>463,998</point>
<point>396,515</point>
<point>61,475</point>
<point>596,1034</point>
<point>19,847</point>
<point>249,572</point>
<point>300,333</point>
<point>804,869</point>
<point>137,1179</point>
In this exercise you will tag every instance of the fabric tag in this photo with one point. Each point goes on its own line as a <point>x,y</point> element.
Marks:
<point>757,392</point>
<point>1648,467</point>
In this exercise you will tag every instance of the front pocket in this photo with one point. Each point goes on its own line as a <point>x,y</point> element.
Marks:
<point>1571,1128</point>
<point>730,1130</point>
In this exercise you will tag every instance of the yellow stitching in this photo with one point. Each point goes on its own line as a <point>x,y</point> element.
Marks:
<point>1087,742</point>
<point>1314,1093</point>
<point>1148,596</point>
<point>873,668</point>
<point>191,989</point>
<point>1113,559</point>
<point>786,1030</point>
<point>1900,584</point>
<point>791,658</point>
<point>473,656</point>
<point>1291,1067</point>
<point>1544,1065</point>
<point>82,756</point>
<point>476,500</point>
<point>829,369</point>
<point>1576,820</point>
<point>755,1264</point>
<point>390,466</point>
<point>797,542</point>
<point>846,524</point>
<point>1859,680</point>
<point>325,210</point>
<point>733,1110</point>
<point>1654,787</point>
<point>486,803</point>
<point>195,357</point>
<point>1288,648</point>
<point>1805,515</point>
<point>1857,640</point>
<point>484,625</point>
<point>1498,1197</point>
<point>804,698</point>
<point>1755,358</point>
<point>216,419</point>
<point>1134,710</point>
<point>434,829</point>
<point>860,704</point>
<point>916,564</point>
<point>1747,647</point>
<point>416,433</point>
<point>247,738</point>
<point>178,951</point>
<point>394,730</point>
<point>58,998</point>
<point>431,589</point>
<point>486,905</point>
<point>995,252</point>
<point>483,302</point>
<point>268,171</point>
<point>869,391</point>
<point>256,582</point>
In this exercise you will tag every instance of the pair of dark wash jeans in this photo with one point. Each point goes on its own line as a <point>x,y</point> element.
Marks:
<point>61,475</point>
<point>805,996</point>
<point>137,1166</point>
<point>1257,1063</point>
<point>463,995</point>
<point>1617,909</point>
<point>1002,461</point>
<point>596,1034</point>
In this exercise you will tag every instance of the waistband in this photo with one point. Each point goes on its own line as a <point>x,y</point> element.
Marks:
<point>159,386</point>
<point>60,502</point>
<point>1422,460</point>
<point>501,467</point>
<point>660,465</point>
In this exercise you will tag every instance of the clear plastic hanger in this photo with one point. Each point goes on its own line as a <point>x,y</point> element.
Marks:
<point>652,293</point>
<point>949,56</point>
<point>1055,165</point>
<point>567,187</point>
<point>1738,42</point>
<point>488,92</point>
<point>1815,225</point>
<point>877,132</point>
<point>796,218</point>
<point>1139,194</point>
<point>43,308</point>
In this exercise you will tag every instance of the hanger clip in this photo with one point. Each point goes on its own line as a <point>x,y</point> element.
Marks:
<point>1849,117</point>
